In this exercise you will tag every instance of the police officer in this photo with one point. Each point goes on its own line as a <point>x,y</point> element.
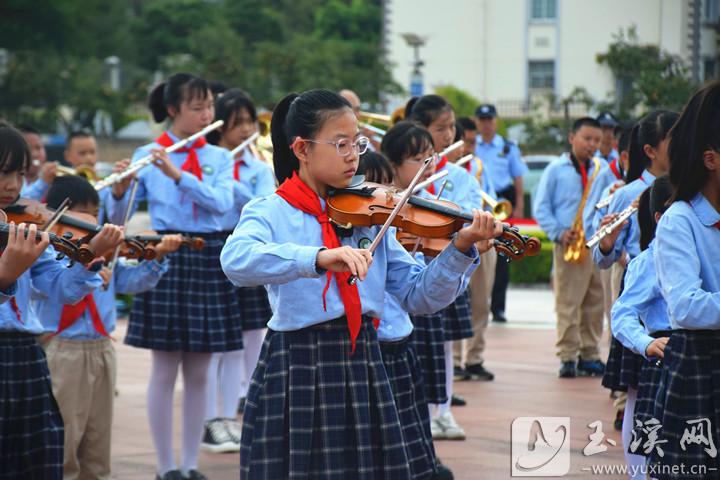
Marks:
<point>504,164</point>
<point>610,134</point>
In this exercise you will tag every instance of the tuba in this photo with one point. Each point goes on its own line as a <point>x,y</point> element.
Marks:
<point>577,252</point>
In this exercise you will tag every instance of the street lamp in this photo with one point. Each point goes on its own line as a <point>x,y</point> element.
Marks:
<point>416,79</point>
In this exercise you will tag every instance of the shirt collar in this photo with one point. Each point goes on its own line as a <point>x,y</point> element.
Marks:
<point>648,177</point>
<point>495,142</point>
<point>705,212</point>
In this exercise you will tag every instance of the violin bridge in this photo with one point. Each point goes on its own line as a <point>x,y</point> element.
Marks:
<point>389,197</point>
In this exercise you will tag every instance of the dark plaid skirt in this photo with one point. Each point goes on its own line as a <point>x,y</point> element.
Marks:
<point>427,341</point>
<point>457,318</point>
<point>31,428</point>
<point>648,383</point>
<point>314,410</point>
<point>405,376</point>
<point>688,398</point>
<point>254,307</point>
<point>622,368</point>
<point>194,307</point>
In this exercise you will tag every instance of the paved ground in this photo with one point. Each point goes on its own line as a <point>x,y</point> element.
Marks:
<point>519,353</point>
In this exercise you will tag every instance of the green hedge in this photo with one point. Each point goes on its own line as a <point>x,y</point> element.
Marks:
<point>534,269</point>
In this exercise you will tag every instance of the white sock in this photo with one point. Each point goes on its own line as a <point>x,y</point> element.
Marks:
<point>252,344</point>
<point>445,407</point>
<point>195,371</point>
<point>230,372</point>
<point>211,406</point>
<point>160,406</point>
<point>634,462</point>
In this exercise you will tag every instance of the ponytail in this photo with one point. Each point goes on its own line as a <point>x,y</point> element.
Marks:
<point>284,159</point>
<point>652,129</point>
<point>178,88</point>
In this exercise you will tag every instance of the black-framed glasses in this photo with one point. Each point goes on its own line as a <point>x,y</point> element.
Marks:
<point>345,146</point>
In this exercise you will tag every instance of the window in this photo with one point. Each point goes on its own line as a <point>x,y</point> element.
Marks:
<point>711,10</point>
<point>709,66</point>
<point>543,10</point>
<point>541,75</point>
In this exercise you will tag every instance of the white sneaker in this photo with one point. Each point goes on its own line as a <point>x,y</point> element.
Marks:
<point>233,428</point>
<point>451,430</point>
<point>216,438</point>
<point>438,433</point>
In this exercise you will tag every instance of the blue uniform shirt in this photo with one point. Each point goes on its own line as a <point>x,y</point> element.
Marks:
<point>276,245</point>
<point>599,190</point>
<point>256,180</point>
<point>126,278</point>
<point>641,299</point>
<point>688,263</point>
<point>629,238</point>
<point>558,195</point>
<point>170,205</point>
<point>480,173</point>
<point>611,156</point>
<point>53,279</point>
<point>35,190</point>
<point>502,167</point>
<point>461,188</point>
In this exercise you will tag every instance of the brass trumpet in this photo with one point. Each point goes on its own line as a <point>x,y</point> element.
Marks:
<point>501,209</point>
<point>85,171</point>
<point>376,117</point>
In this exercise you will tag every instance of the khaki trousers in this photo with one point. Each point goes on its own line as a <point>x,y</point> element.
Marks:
<point>579,307</point>
<point>481,284</point>
<point>83,375</point>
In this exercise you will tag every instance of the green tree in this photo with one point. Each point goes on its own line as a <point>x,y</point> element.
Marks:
<point>462,102</point>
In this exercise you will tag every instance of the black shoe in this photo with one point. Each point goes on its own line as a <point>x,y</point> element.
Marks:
<point>619,420</point>
<point>171,475</point>
<point>499,317</point>
<point>592,368</point>
<point>457,401</point>
<point>568,370</point>
<point>478,372</point>
<point>460,373</point>
<point>442,472</point>
<point>241,406</point>
<point>195,475</point>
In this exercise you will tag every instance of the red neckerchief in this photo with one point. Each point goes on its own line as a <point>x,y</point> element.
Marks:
<point>583,170</point>
<point>71,314</point>
<point>615,167</point>
<point>441,164</point>
<point>192,164</point>
<point>299,195</point>
<point>236,172</point>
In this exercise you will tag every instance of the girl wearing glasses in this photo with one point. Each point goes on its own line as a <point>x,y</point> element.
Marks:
<point>319,403</point>
<point>194,310</point>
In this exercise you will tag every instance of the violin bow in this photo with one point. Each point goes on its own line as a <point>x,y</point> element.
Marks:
<point>52,221</point>
<point>437,197</point>
<point>126,217</point>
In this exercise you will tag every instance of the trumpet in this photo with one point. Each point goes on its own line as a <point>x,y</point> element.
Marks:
<point>149,159</point>
<point>501,209</point>
<point>608,229</point>
<point>376,117</point>
<point>85,171</point>
<point>605,202</point>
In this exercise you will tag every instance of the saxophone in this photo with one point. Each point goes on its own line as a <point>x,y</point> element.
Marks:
<point>577,252</point>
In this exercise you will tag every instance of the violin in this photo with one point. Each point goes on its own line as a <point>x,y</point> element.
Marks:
<point>65,248</point>
<point>77,228</point>
<point>148,241</point>
<point>510,246</point>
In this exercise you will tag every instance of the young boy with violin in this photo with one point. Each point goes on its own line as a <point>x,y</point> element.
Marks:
<point>80,353</point>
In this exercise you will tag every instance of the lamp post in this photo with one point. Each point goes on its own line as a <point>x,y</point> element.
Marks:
<point>416,78</point>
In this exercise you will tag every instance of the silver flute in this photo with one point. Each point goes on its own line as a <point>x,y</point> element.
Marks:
<point>608,229</point>
<point>604,202</point>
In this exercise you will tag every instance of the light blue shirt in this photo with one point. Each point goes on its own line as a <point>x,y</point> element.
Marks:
<point>502,168</point>
<point>558,195</point>
<point>256,180</point>
<point>54,279</point>
<point>687,259</point>
<point>35,190</point>
<point>484,178</point>
<point>461,188</point>
<point>611,156</point>
<point>599,190</point>
<point>276,245</point>
<point>629,238</point>
<point>126,278</point>
<point>641,299</point>
<point>190,206</point>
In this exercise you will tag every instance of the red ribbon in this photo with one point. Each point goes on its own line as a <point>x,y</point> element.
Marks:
<point>236,172</point>
<point>615,167</point>
<point>71,314</point>
<point>441,164</point>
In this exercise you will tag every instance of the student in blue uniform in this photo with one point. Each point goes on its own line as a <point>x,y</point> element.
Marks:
<point>31,443</point>
<point>194,311</point>
<point>503,161</point>
<point>437,115</point>
<point>253,178</point>
<point>578,290</point>
<point>688,266</point>
<point>40,173</point>
<point>320,404</point>
<point>608,148</point>
<point>80,352</point>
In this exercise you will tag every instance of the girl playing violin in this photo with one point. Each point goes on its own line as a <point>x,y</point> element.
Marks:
<point>319,403</point>
<point>194,311</point>
<point>31,445</point>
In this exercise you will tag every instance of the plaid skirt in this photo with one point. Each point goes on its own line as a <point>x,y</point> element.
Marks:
<point>405,376</point>
<point>648,383</point>
<point>457,319</point>
<point>31,428</point>
<point>622,368</point>
<point>254,307</point>
<point>194,307</point>
<point>427,341</point>
<point>688,405</point>
<point>314,410</point>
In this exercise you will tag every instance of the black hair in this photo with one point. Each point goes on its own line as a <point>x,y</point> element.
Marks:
<point>217,87</point>
<point>459,132</point>
<point>14,150</point>
<point>426,109</point>
<point>584,122</point>
<point>26,128</point>
<point>375,167</point>
<point>74,187</point>
<point>172,92</point>
<point>300,115</point>
<point>227,107</point>
<point>405,139</point>
<point>649,130</point>
<point>653,200</point>
<point>77,134</point>
<point>624,140</point>
<point>466,123</point>
<point>696,131</point>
